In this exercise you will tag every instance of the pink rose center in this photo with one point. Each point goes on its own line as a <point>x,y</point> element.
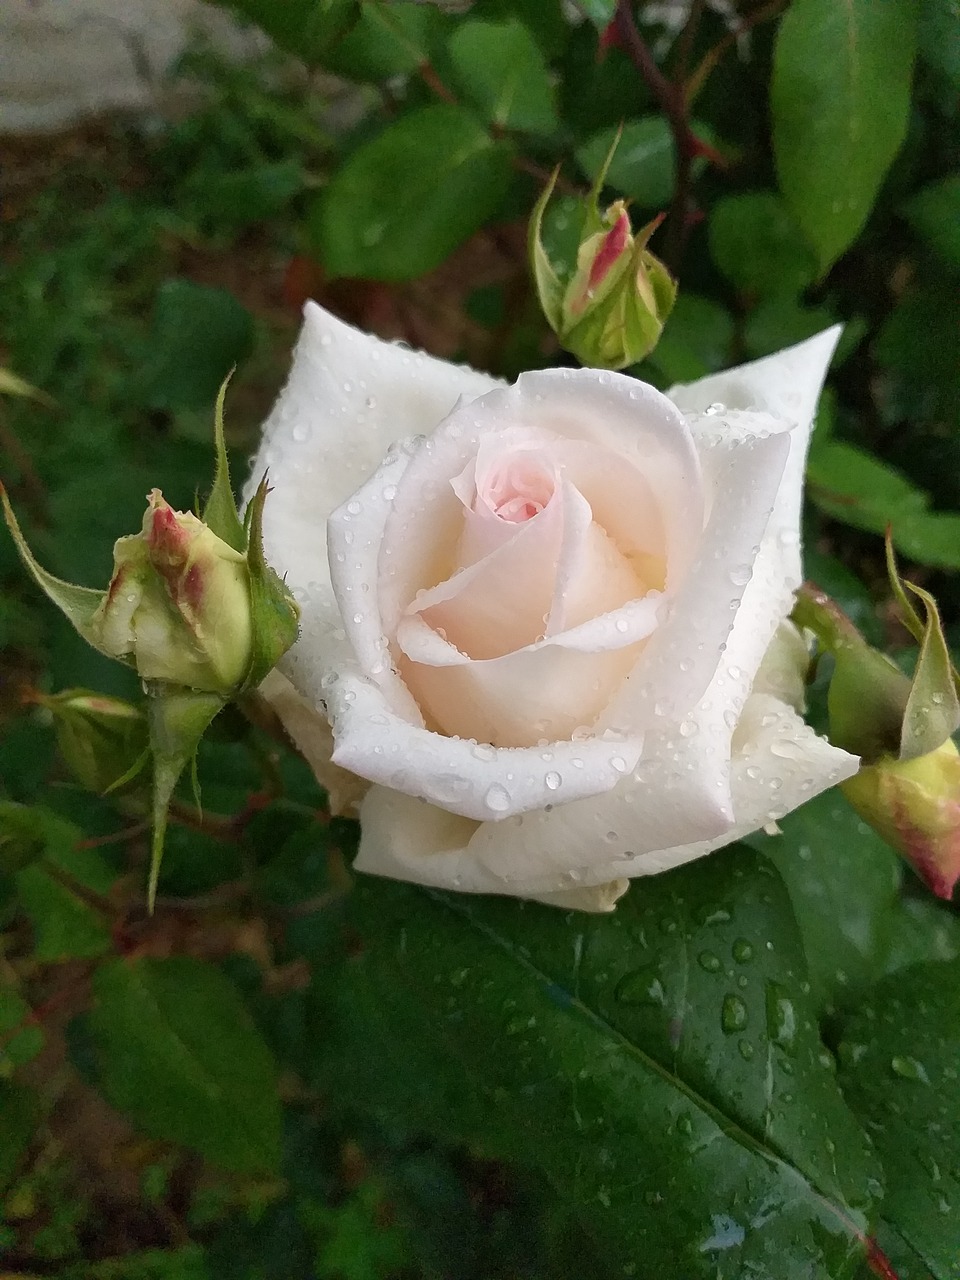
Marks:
<point>517,488</point>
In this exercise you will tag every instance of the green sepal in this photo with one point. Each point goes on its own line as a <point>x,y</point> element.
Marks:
<point>932,714</point>
<point>221,514</point>
<point>549,287</point>
<point>867,701</point>
<point>274,612</point>
<point>927,635</point>
<point>77,604</point>
<point>178,719</point>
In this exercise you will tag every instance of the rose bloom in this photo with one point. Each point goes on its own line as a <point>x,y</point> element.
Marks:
<point>547,622</point>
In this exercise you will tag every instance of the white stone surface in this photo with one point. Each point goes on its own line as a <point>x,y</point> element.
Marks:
<point>62,60</point>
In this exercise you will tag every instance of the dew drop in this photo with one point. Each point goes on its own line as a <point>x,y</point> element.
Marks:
<point>641,987</point>
<point>709,962</point>
<point>497,798</point>
<point>552,781</point>
<point>733,1014</point>
<point>742,951</point>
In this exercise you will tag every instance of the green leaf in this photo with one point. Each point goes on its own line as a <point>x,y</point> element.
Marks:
<point>401,203</point>
<point>660,1065</point>
<point>757,245</point>
<point>937,38</point>
<point>929,537</point>
<point>696,340</point>
<point>898,1070</point>
<point>389,38</point>
<point>179,1053</point>
<point>643,164</point>
<point>844,883</point>
<point>65,925</point>
<point>855,487</point>
<point>19,1111</point>
<point>198,334</point>
<point>934,213</point>
<point>20,1038</point>
<point>840,98</point>
<point>500,70</point>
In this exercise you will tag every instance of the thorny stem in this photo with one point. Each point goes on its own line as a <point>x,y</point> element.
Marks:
<point>687,145</point>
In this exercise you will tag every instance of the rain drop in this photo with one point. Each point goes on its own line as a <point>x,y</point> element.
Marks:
<point>709,962</point>
<point>733,1014</point>
<point>552,781</point>
<point>497,798</point>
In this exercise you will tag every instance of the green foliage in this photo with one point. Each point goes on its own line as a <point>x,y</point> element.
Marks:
<point>502,73</point>
<point>178,1050</point>
<point>402,202</point>
<point>898,1069</point>
<point>840,98</point>
<point>633,1059</point>
<point>198,335</point>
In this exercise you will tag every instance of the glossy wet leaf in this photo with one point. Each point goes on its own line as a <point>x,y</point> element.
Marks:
<point>401,203</point>
<point>840,99</point>
<point>660,1066</point>
<point>179,1053</point>
<point>899,1071</point>
<point>843,882</point>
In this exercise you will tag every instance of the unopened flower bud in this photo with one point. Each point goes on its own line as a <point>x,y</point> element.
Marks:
<point>178,605</point>
<point>100,738</point>
<point>915,806</point>
<point>609,307</point>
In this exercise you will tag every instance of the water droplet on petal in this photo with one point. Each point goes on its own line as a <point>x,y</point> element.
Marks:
<point>497,798</point>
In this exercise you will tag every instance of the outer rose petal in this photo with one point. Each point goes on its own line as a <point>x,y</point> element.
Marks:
<point>780,763</point>
<point>349,397</point>
<point>788,385</point>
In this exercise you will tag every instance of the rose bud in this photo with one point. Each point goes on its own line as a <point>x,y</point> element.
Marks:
<point>99,737</point>
<point>178,605</point>
<point>915,806</point>
<point>193,607</point>
<point>908,788</point>
<point>611,310</point>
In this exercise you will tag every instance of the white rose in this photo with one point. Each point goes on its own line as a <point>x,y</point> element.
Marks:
<point>538,618</point>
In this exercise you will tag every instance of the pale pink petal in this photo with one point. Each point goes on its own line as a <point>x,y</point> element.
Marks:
<point>349,397</point>
<point>787,385</point>
<point>603,409</point>
<point>472,779</point>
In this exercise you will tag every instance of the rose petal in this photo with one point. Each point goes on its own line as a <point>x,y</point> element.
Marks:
<point>349,397</point>
<point>780,763</point>
<point>787,385</point>
<point>608,410</point>
<point>688,651</point>
<point>472,779</point>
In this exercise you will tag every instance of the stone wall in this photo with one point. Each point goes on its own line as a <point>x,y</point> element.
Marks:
<point>63,60</point>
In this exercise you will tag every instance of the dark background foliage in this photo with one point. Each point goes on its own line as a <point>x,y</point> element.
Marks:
<point>751,1068</point>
